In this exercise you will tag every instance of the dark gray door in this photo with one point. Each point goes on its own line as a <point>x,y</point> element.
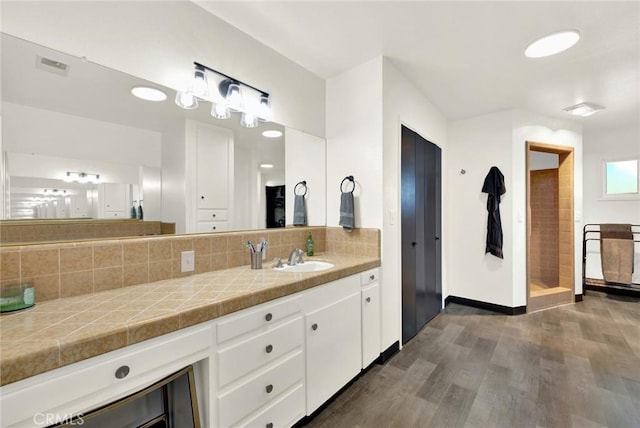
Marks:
<point>421,247</point>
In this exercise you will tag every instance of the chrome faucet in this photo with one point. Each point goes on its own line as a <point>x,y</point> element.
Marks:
<point>296,257</point>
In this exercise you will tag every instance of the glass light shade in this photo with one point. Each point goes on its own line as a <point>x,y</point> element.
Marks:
<point>249,120</point>
<point>186,100</point>
<point>552,44</point>
<point>220,111</point>
<point>69,177</point>
<point>264,109</point>
<point>200,87</point>
<point>234,97</point>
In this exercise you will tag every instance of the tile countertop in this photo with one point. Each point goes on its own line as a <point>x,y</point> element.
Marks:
<point>60,332</point>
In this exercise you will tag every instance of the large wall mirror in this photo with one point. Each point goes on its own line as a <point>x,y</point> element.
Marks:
<point>63,117</point>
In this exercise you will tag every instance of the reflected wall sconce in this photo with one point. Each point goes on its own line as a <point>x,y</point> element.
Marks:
<point>229,95</point>
<point>81,177</point>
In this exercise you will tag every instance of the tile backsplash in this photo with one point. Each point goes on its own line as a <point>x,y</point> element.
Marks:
<point>59,270</point>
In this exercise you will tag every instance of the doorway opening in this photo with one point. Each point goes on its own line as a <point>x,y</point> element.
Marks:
<point>550,233</point>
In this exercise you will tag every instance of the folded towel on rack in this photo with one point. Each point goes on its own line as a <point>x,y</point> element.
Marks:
<point>347,218</point>
<point>299,211</point>
<point>616,257</point>
<point>616,231</point>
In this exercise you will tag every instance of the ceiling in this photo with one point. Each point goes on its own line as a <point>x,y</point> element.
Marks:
<point>466,57</point>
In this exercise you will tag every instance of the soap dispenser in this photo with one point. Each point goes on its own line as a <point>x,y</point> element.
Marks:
<point>310,245</point>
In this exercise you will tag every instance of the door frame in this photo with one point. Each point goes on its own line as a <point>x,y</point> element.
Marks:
<point>566,262</point>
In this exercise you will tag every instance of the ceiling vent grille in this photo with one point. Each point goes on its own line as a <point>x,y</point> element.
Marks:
<point>52,65</point>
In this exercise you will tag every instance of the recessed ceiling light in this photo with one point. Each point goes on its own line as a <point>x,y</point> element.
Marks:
<point>266,165</point>
<point>583,109</point>
<point>272,133</point>
<point>148,94</point>
<point>552,44</point>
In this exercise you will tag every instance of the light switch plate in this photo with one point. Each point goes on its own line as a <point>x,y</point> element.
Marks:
<point>188,262</point>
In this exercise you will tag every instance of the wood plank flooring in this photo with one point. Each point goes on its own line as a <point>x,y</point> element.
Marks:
<point>572,366</point>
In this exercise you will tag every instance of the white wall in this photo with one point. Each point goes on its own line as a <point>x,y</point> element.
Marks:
<point>403,104</point>
<point>542,160</point>
<point>47,133</point>
<point>598,147</point>
<point>476,145</point>
<point>173,177</point>
<point>160,40</point>
<point>354,142</point>
<point>305,159</point>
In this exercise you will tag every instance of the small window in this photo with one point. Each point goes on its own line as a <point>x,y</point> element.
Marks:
<point>621,178</point>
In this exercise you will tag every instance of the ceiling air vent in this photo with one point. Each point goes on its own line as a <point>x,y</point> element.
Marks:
<point>52,65</point>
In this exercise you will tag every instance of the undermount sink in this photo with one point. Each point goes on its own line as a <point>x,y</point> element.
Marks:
<point>308,266</point>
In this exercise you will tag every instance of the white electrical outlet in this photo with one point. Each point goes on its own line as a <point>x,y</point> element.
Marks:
<point>188,261</point>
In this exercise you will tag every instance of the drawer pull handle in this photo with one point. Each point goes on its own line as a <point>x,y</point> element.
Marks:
<point>269,388</point>
<point>314,326</point>
<point>214,215</point>
<point>201,197</point>
<point>269,425</point>
<point>372,277</point>
<point>122,372</point>
<point>214,228</point>
<point>268,317</point>
<point>269,348</point>
<point>368,299</point>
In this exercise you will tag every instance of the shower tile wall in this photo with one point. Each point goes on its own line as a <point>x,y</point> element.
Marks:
<point>544,260</point>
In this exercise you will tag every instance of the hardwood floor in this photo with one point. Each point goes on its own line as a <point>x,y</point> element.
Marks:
<point>572,366</point>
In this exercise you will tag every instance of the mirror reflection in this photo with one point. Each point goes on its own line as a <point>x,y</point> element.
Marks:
<point>77,144</point>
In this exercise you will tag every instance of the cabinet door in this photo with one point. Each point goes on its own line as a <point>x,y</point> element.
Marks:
<point>115,197</point>
<point>370,324</point>
<point>333,349</point>
<point>212,168</point>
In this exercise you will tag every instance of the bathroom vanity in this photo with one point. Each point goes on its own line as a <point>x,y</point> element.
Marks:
<point>266,347</point>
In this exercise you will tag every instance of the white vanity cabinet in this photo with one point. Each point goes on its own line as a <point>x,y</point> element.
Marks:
<point>86,385</point>
<point>78,206</point>
<point>260,365</point>
<point>371,327</point>
<point>265,366</point>
<point>333,339</point>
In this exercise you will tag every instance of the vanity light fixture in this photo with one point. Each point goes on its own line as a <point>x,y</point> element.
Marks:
<point>552,44</point>
<point>584,109</point>
<point>272,133</point>
<point>81,177</point>
<point>148,94</point>
<point>231,95</point>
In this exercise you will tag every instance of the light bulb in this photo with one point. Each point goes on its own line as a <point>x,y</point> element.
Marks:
<point>220,111</point>
<point>249,120</point>
<point>186,100</point>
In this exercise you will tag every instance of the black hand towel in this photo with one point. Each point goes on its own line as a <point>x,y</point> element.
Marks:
<point>299,211</point>
<point>347,219</point>
<point>494,187</point>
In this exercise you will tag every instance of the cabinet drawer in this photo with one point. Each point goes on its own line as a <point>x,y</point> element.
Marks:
<point>283,412</point>
<point>262,317</point>
<point>212,226</point>
<point>238,360</point>
<point>212,215</point>
<point>369,276</point>
<point>260,390</point>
